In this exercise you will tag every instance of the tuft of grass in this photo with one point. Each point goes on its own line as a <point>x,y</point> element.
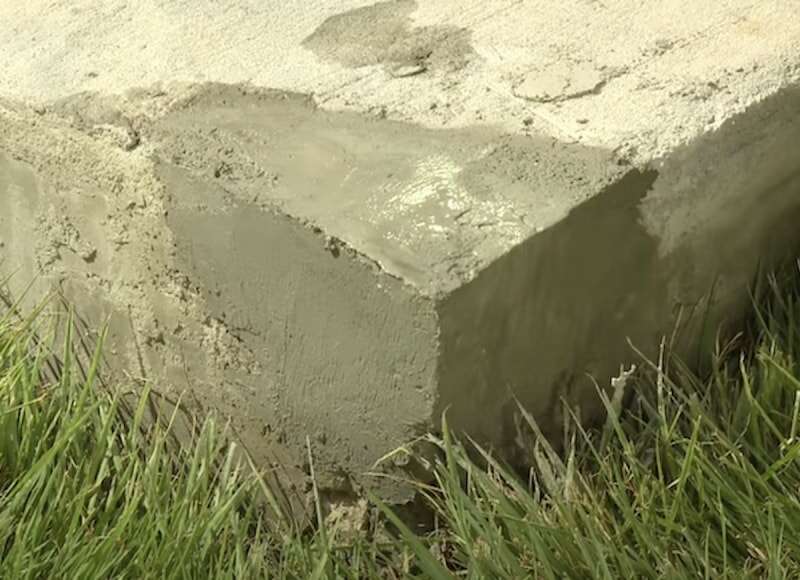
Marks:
<point>699,477</point>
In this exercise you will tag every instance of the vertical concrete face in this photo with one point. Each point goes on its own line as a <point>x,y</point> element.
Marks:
<point>515,340</point>
<point>345,354</point>
<point>374,213</point>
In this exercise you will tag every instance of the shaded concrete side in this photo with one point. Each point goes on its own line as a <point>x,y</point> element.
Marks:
<point>554,308</point>
<point>679,241</point>
<point>226,303</point>
<point>729,200</point>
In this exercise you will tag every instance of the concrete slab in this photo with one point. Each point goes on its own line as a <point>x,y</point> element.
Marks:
<point>342,218</point>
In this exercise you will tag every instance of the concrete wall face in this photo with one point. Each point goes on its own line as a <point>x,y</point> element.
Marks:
<point>378,212</point>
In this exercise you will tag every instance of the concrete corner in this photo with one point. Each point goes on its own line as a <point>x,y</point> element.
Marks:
<point>342,221</point>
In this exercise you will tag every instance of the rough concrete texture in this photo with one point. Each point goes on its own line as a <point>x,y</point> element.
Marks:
<point>340,218</point>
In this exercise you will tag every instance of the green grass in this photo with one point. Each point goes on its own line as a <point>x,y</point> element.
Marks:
<point>696,478</point>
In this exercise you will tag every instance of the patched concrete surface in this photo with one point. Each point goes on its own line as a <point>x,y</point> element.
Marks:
<point>340,218</point>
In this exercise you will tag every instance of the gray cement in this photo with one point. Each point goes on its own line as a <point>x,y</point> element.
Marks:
<point>347,257</point>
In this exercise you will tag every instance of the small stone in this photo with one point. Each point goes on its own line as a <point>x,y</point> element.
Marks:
<point>89,255</point>
<point>133,140</point>
<point>332,245</point>
<point>408,70</point>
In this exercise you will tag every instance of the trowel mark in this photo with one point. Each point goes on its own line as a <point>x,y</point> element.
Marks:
<point>383,34</point>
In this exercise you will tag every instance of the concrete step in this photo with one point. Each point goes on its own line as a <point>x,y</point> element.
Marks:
<point>341,219</point>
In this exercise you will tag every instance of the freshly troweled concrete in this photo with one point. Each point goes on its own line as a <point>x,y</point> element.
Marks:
<point>340,219</point>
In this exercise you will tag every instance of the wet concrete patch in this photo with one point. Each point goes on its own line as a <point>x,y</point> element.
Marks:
<point>384,34</point>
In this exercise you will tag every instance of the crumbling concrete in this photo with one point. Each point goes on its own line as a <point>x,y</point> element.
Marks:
<point>379,212</point>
